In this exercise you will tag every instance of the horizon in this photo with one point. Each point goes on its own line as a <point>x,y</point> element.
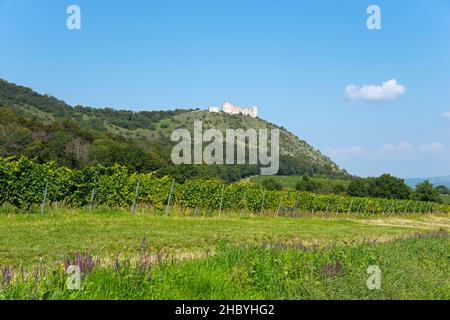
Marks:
<point>373,101</point>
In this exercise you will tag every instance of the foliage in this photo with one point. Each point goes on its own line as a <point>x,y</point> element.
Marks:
<point>47,129</point>
<point>443,189</point>
<point>23,184</point>
<point>426,192</point>
<point>358,188</point>
<point>387,186</point>
<point>271,184</point>
<point>307,184</point>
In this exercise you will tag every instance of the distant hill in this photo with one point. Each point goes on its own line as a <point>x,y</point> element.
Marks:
<point>436,181</point>
<point>49,129</point>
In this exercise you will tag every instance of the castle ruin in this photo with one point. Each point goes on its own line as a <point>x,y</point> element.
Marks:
<point>230,108</point>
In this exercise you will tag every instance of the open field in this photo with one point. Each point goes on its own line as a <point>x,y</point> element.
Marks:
<point>28,238</point>
<point>149,256</point>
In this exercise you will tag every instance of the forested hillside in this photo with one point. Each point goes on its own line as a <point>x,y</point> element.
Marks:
<point>48,129</point>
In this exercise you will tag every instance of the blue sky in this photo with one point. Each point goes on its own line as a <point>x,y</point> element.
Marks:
<point>293,59</point>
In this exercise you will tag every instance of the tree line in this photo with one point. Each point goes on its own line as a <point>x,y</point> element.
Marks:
<point>384,186</point>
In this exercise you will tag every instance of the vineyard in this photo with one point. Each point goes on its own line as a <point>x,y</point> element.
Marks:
<point>25,183</point>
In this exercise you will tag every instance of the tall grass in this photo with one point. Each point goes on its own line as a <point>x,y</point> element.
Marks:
<point>414,268</point>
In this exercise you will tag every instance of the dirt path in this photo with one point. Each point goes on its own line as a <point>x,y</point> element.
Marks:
<point>426,223</point>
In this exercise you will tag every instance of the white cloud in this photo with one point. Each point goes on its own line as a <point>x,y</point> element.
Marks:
<point>401,147</point>
<point>435,147</point>
<point>345,152</point>
<point>445,115</point>
<point>387,91</point>
<point>401,159</point>
<point>386,150</point>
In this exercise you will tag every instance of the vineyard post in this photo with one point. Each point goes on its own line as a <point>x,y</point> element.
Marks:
<point>359,206</point>
<point>415,205</point>
<point>221,197</point>
<point>133,207</point>
<point>279,206</point>
<point>328,205</point>
<point>374,209</point>
<point>337,208</point>
<point>350,208</point>
<point>198,200</point>
<point>297,204</point>
<point>384,208</point>
<point>170,196</point>
<point>45,198</point>
<point>91,202</point>
<point>243,201</point>
<point>262,202</point>
<point>394,209</point>
<point>389,207</point>
<point>407,206</point>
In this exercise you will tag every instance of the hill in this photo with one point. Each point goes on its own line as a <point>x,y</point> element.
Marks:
<point>49,129</point>
<point>436,181</point>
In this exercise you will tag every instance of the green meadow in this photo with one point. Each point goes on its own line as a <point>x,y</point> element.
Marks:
<point>222,256</point>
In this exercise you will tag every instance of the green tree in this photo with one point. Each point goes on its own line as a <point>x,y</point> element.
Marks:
<point>426,192</point>
<point>339,189</point>
<point>358,188</point>
<point>387,186</point>
<point>443,189</point>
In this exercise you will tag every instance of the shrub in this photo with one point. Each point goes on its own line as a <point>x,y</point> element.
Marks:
<point>271,184</point>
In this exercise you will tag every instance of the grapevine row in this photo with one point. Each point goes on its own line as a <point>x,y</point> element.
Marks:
<point>24,183</point>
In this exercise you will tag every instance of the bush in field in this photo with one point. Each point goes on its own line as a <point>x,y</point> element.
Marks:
<point>271,184</point>
<point>307,184</point>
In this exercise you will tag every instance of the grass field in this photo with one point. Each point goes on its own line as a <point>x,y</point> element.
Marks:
<point>152,256</point>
